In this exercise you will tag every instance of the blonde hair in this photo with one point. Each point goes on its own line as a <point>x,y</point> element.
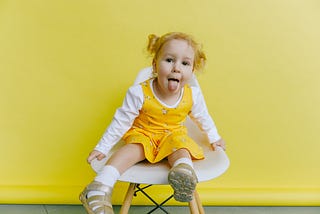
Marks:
<point>156,43</point>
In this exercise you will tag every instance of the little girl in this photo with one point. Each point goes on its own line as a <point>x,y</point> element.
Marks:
<point>151,122</point>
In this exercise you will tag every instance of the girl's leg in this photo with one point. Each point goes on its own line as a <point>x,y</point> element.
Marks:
<point>120,161</point>
<point>127,156</point>
<point>182,177</point>
<point>97,195</point>
<point>180,156</point>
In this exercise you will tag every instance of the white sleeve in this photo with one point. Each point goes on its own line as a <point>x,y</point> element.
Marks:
<point>200,115</point>
<point>122,119</point>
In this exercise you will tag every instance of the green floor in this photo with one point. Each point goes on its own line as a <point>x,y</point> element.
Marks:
<point>75,209</point>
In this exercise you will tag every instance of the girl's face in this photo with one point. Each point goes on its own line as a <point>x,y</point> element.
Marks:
<point>174,66</point>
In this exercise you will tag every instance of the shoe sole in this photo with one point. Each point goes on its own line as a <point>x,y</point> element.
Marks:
<point>183,183</point>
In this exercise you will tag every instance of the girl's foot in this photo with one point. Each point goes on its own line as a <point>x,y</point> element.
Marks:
<point>97,204</point>
<point>183,180</point>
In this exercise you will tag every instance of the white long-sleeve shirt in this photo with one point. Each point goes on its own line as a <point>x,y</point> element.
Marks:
<point>132,104</point>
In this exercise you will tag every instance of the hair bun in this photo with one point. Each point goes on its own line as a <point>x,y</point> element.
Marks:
<point>152,45</point>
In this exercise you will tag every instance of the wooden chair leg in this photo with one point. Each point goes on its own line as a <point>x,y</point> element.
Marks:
<point>193,206</point>
<point>128,199</point>
<point>198,200</point>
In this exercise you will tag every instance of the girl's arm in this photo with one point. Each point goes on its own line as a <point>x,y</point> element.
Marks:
<point>200,115</point>
<point>122,119</point>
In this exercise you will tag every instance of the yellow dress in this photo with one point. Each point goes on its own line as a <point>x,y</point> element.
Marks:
<point>160,129</point>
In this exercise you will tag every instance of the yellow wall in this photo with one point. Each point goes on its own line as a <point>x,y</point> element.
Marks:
<point>66,65</point>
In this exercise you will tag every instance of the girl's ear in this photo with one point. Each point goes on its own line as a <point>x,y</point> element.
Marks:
<point>154,71</point>
<point>153,65</point>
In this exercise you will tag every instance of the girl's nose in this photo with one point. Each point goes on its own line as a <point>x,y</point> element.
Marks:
<point>176,68</point>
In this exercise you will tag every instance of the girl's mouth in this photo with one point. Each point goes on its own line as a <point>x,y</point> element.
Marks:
<point>173,79</point>
<point>173,84</point>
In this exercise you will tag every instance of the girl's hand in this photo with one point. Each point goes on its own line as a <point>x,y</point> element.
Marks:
<point>220,143</point>
<point>95,154</point>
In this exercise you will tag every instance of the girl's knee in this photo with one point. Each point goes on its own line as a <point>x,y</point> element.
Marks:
<point>180,153</point>
<point>136,149</point>
<point>183,152</point>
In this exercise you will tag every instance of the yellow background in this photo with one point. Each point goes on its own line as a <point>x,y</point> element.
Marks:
<point>65,67</point>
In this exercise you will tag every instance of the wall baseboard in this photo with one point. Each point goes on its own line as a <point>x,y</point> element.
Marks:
<point>209,196</point>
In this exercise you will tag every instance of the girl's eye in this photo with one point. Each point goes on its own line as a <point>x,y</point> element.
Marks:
<point>185,63</point>
<point>169,60</point>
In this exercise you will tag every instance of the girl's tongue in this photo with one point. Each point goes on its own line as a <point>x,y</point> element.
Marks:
<point>173,84</point>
